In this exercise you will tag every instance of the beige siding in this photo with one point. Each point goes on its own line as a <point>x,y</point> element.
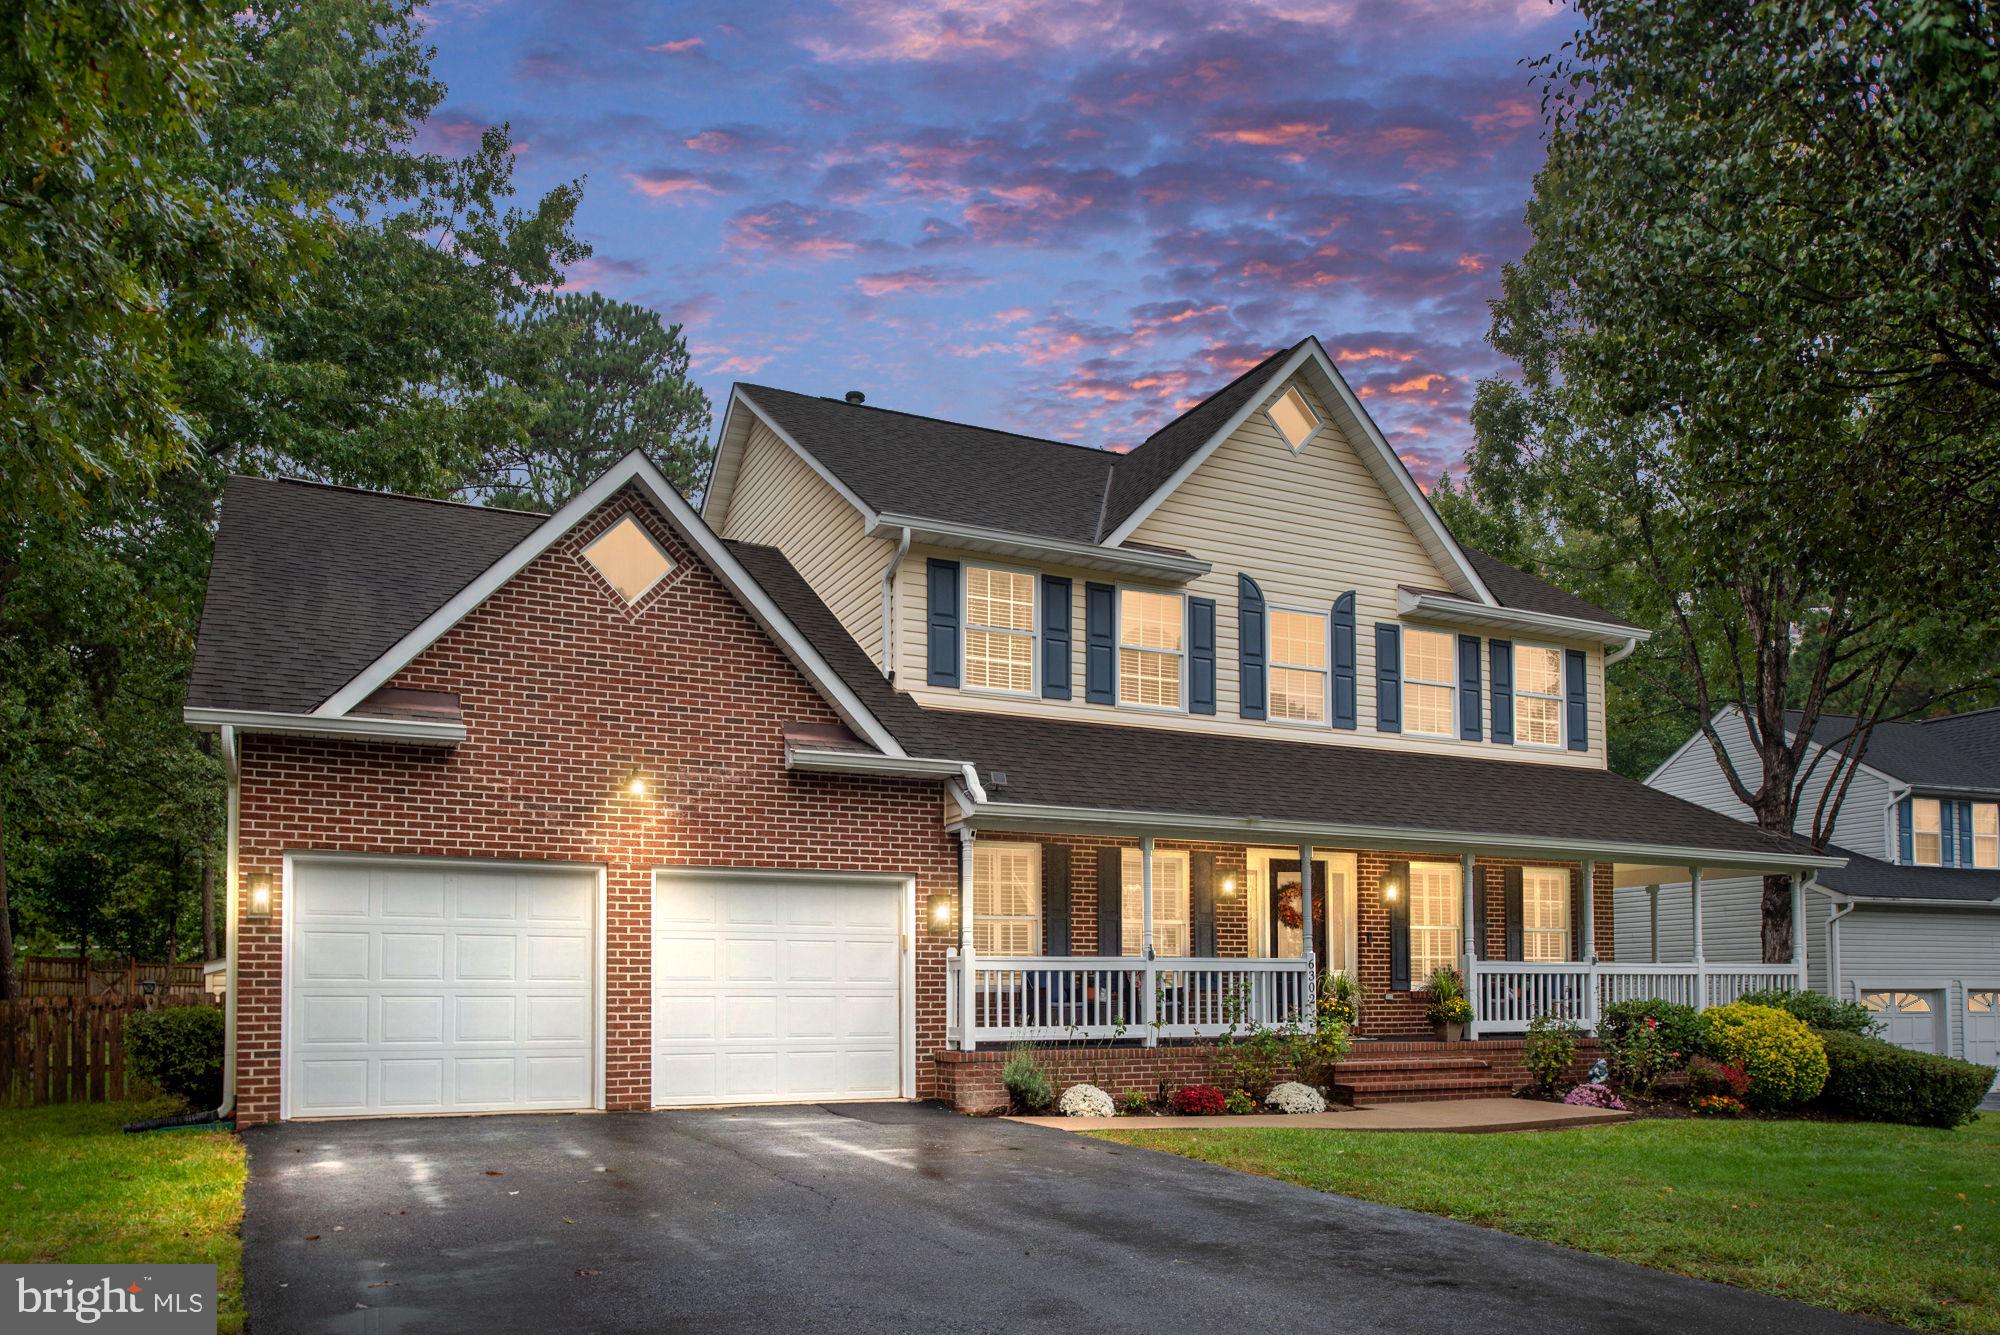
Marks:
<point>781,502</point>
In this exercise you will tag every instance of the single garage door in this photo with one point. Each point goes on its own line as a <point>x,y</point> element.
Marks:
<point>439,987</point>
<point>1982,1026</point>
<point>776,988</point>
<point>1908,1019</point>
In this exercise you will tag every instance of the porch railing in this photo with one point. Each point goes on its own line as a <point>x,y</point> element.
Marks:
<point>1508,994</point>
<point>1056,998</point>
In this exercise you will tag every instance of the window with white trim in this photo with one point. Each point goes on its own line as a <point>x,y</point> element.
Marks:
<point>1926,827</point>
<point>1986,834</point>
<point>1904,1003</point>
<point>1000,630</point>
<point>628,558</point>
<point>1428,689</point>
<point>1006,898</point>
<point>1538,695</point>
<point>1544,913</point>
<point>1170,903</point>
<point>1298,667</point>
<point>1151,648</point>
<point>1435,906</point>
<point>1294,417</point>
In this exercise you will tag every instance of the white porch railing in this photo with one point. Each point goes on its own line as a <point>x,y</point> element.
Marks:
<point>1056,998</point>
<point>1508,994</point>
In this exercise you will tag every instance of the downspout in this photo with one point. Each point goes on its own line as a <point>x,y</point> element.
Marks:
<point>1623,652</point>
<point>1833,983</point>
<point>232,768</point>
<point>889,605</point>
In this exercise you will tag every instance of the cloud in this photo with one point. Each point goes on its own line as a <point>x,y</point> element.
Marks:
<point>675,184</point>
<point>682,47</point>
<point>787,229</point>
<point>922,279</point>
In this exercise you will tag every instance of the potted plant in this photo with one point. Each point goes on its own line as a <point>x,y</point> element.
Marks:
<point>1449,1010</point>
<point>1340,995</point>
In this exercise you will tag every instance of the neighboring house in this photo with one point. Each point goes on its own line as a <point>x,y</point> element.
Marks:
<point>920,739</point>
<point>1910,927</point>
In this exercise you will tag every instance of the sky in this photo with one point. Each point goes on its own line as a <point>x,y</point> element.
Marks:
<point>1067,218</point>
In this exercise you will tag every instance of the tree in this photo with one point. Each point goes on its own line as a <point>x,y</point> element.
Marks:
<point>1759,335</point>
<point>619,383</point>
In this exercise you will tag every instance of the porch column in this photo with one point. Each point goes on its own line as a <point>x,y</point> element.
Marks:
<point>1653,920</point>
<point>1694,912</point>
<point>1799,924</point>
<point>1306,908</point>
<point>1470,930</point>
<point>968,970</point>
<point>1588,925</point>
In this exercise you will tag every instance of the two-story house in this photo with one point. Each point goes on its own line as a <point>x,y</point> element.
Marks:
<point>918,740</point>
<point>1910,927</point>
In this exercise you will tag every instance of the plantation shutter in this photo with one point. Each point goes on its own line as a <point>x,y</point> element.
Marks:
<point>1250,674</point>
<point>1100,644</point>
<point>943,615</point>
<point>1201,655</point>
<point>1399,928</point>
<point>1905,837</point>
<point>1055,899</point>
<point>1110,901</point>
<point>1501,654</point>
<point>1055,637</point>
<point>1388,677</point>
<point>1343,661</point>
<point>1201,899</point>
<point>1514,911</point>
<point>1965,834</point>
<point>1469,703</point>
<point>1947,834</point>
<point>1579,701</point>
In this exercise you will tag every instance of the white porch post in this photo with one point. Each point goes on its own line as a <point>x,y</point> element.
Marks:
<point>1149,980</point>
<point>1587,948</point>
<point>1653,923</point>
<point>1799,924</point>
<point>1306,908</point>
<point>968,972</point>
<point>1694,913</point>
<point>1469,931</point>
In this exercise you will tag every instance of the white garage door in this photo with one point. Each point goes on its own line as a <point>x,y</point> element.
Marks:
<point>1982,1026</point>
<point>1908,1019</point>
<point>438,987</point>
<point>776,989</point>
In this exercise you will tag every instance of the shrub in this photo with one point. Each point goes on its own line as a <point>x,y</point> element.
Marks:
<point>1707,1076</point>
<point>179,1048</point>
<point>1239,1104</point>
<point>1816,1009</point>
<point>1292,1097</point>
<point>1639,1056</point>
<point>1550,1050</point>
<point>1027,1083</point>
<point>1319,1047</point>
<point>1132,1102</point>
<point>1786,1061</point>
<point>1085,1101</point>
<point>1593,1096</point>
<point>1254,1060</point>
<point>1198,1101</point>
<point>1884,1083</point>
<point>1716,1105</point>
<point>1680,1027</point>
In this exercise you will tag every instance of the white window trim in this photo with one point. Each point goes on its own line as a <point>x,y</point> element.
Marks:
<point>1271,663</point>
<point>1405,681</point>
<point>1561,697</point>
<point>1318,418</point>
<point>1133,886</point>
<point>1119,647</point>
<point>667,562</point>
<point>1456,900</point>
<point>1977,865</point>
<point>1036,924</point>
<point>1917,832</point>
<point>1034,631</point>
<point>1565,894</point>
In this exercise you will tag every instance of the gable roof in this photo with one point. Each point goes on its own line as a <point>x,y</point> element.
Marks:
<point>1871,878</point>
<point>1957,751</point>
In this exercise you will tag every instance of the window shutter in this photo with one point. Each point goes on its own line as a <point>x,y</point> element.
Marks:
<point>1055,899</point>
<point>1512,910</point>
<point>1579,701</point>
<point>1469,703</point>
<point>1399,928</point>
<point>1965,834</point>
<point>1501,654</point>
<point>1344,660</point>
<point>944,641</point>
<point>1388,677</point>
<point>1947,834</point>
<point>1201,655</point>
<point>1905,838</point>
<point>1111,901</point>
<point>1250,675</point>
<point>1201,904</point>
<point>1055,637</point>
<point>1100,644</point>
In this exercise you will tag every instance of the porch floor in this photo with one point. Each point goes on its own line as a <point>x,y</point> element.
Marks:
<point>1466,1115</point>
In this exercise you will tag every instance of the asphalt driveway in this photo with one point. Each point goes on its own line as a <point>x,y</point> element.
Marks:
<point>876,1217</point>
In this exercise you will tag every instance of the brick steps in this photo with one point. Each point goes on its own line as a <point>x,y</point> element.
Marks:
<point>1416,1077</point>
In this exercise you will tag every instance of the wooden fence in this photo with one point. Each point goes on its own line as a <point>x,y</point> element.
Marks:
<point>68,976</point>
<point>65,1050</point>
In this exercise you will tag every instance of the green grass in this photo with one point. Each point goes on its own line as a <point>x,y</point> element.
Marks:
<point>1901,1223</point>
<point>74,1188</point>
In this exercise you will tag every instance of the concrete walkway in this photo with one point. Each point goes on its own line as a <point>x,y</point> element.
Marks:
<point>1470,1115</point>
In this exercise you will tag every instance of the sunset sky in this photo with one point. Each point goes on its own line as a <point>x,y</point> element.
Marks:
<point>1070,218</point>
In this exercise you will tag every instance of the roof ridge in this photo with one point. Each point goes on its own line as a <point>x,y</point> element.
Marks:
<point>942,421</point>
<point>1953,718</point>
<point>379,494</point>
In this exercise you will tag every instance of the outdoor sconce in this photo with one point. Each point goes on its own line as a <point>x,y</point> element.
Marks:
<point>941,918</point>
<point>635,787</point>
<point>1392,888</point>
<point>1229,887</point>
<point>259,903</point>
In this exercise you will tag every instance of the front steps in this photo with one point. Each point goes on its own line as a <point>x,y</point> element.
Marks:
<point>1414,1070</point>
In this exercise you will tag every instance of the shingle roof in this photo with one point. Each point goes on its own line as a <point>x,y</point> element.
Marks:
<point>1515,588</point>
<point>1958,751</point>
<point>1868,878</point>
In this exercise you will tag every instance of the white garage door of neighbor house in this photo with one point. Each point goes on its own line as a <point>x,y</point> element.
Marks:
<point>1982,1026</point>
<point>776,988</point>
<point>1908,1019</point>
<point>439,987</point>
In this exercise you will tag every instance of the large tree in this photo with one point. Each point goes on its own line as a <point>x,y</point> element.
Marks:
<point>1759,336</point>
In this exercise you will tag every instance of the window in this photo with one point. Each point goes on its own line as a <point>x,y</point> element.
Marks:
<point>1986,834</point>
<point>1298,667</point>
<point>1903,1003</point>
<point>1434,908</point>
<point>1538,702</point>
<point>1427,682</point>
<point>1006,899</point>
<point>1150,635</point>
<point>999,630</point>
<point>1170,904</point>
<point>1929,843</point>
<point>1544,913</point>
<point>628,558</point>
<point>1294,417</point>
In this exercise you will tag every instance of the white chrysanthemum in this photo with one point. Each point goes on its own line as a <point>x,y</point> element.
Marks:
<point>1293,1097</point>
<point>1086,1101</point>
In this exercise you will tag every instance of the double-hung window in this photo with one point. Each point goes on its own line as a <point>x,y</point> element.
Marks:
<point>1544,913</point>
<point>1298,667</point>
<point>1006,898</point>
<point>1538,695</point>
<point>1152,649</point>
<point>1170,903</point>
<point>1434,919</point>
<point>1926,828</point>
<point>1986,834</point>
<point>1427,682</point>
<point>999,630</point>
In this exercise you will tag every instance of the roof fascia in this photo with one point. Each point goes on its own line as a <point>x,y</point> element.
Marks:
<point>1465,612</point>
<point>414,732</point>
<point>730,441</point>
<point>1146,565</point>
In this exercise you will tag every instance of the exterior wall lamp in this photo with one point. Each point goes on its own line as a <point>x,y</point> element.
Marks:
<point>1229,887</point>
<point>1392,887</point>
<point>257,904</point>
<point>941,916</point>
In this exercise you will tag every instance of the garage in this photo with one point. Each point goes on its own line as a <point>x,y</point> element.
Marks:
<point>1982,1025</point>
<point>433,986</point>
<point>780,987</point>
<point>1909,1019</point>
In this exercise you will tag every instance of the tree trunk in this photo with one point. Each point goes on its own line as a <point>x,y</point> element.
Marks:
<point>207,905</point>
<point>1777,920</point>
<point>6,917</point>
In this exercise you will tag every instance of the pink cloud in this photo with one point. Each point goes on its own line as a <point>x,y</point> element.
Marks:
<point>740,364</point>
<point>677,48</point>
<point>669,184</point>
<point>922,279</point>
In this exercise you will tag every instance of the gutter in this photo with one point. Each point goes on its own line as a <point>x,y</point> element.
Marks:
<point>1624,651</point>
<point>818,760</point>
<point>414,732</point>
<point>1833,981</point>
<point>1463,612</point>
<point>1055,551</point>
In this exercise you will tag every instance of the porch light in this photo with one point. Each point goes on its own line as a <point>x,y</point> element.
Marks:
<point>259,904</point>
<point>635,786</point>
<point>1392,887</point>
<point>1228,887</point>
<point>942,917</point>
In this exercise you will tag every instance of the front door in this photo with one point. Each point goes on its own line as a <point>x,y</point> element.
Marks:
<point>1287,909</point>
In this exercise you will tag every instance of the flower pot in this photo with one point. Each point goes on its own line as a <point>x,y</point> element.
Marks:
<point>1451,1031</point>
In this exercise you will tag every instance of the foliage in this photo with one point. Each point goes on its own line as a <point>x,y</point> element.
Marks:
<point>1025,1080</point>
<point>179,1048</point>
<point>1884,1083</point>
<point>1085,1101</point>
<point>1716,1105</point>
<point>1549,1053</point>
<point>1786,1061</point>
<point>1679,1026</point>
<point>1319,1046</point>
<point>1239,1103</point>
<point>1707,1076</point>
<point>1293,1097</point>
<point>1594,1096</point>
<point>1255,1059</point>
<point>1816,1009</point>
<point>1198,1101</point>
<point>1340,997</point>
<point>1132,1102</point>
<point>1448,1003</point>
<point>1640,1056</point>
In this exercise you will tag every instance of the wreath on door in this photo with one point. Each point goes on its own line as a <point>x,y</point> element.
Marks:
<point>1290,908</point>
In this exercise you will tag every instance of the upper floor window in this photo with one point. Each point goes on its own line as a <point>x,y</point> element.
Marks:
<point>999,629</point>
<point>1986,834</point>
<point>1006,898</point>
<point>1298,667</point>
<point>1544,913</point>
<point>1538,702</point>
<point>1152,649</point>
<point>1427,682</point>
<point>1170,903</point>
<point>1294,417</point>
<point>1926,826</point>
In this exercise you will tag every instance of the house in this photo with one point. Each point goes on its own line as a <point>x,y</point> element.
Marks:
<point>1910,927</point>
<point>918,740</point>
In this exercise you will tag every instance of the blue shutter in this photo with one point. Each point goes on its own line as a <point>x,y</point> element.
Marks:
<point>1100,644</point>
<point>1398,874</point>
<point>1388,677</point>
<point>1905,837</point>
<point>1250,674</point>
<point>1468,689</point>
<point>1055,637</point>
<point>1343,661</point>
<point>1965,834</point>
<point>1947,834</point>
<point>1579,701</point>
<point>1501,654</point>
<point>1201,655</point>
<point>944,641</point>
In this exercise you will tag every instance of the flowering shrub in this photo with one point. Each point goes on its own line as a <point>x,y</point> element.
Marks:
<point>1293,1097</point>
<point>1639,1056</point>
<point>1680,1026</point>
<point>1716,1105</point>
<point>1550,1052</point>
<point>1239,1103</point>
<point>1708,1076</point>
<point>1085,1101</point>
<point>1786,1061</point>
<point>1593,1096</point>
<point>1198,1101</point>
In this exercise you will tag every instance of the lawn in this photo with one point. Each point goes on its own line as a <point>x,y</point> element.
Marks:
<point>1901,1223</point>
<point>75,1188</point>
